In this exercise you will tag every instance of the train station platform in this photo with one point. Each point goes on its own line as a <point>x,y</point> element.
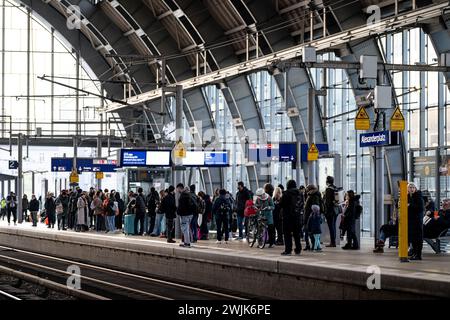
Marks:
<point>235,267</point>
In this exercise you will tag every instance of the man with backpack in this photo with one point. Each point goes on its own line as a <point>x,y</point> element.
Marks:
<point>221,210</point>
<point>152,203</point>
<point>242,196</point>
<point>331,209</point>
<point>292,205</point>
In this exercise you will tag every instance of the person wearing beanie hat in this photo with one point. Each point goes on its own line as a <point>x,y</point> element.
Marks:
<point>264,204</point>
<point>314,229</point>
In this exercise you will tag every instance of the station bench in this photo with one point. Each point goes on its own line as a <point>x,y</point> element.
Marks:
<point>440,244</point>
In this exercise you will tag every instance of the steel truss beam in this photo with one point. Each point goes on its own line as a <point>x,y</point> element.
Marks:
<point>392,23</point>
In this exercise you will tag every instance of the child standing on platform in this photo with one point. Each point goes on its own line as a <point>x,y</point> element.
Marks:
<point>314,226</point>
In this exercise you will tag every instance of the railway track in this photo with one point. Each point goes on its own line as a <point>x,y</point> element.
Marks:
<point>7,296</point>
<point>96,282</point>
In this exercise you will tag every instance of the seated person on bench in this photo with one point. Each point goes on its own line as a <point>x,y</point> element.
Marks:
<point>433,226</point>
<point>386,231</point>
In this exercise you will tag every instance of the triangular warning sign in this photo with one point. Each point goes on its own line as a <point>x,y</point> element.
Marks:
<point>397,115</point>
<point>313,153</point>
<point>313,148</point>
<point>362,114</point>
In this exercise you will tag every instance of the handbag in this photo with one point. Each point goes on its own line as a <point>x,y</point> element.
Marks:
<point>46,221</point>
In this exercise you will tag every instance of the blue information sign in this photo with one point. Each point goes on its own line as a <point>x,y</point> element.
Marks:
<point>216,159</point>
<point>374,139</point>
<point>323,148</point>
<point>133,158</point>
<point>277,152</point>
<point>83,165</point>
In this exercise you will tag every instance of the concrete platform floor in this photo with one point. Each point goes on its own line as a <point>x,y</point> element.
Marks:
<point>433,266</point>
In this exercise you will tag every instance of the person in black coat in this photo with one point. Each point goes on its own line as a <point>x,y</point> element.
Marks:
<point>140,210</point>
<point>152,203</point>
<point>221,210</point>
<point>291,217</point>
<point>50,210</point>
<point>351,202</point>
<point>169,208</point>
<point>34,208</point>
<point>11,207</point>
<point>242,196</point>
<point>121,205</point>
<point>416,208</point>
<point>331,209</point>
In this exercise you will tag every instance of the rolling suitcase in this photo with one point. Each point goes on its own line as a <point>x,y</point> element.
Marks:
<point>128,224</point>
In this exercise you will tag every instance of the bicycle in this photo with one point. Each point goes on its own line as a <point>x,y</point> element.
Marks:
<point>257,230</point>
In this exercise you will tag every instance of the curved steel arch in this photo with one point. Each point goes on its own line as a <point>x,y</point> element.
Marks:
<point>89,42</point>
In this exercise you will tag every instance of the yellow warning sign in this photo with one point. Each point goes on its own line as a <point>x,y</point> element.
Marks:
<point>362,120</point>
<point>179,151</point>
<point>74,178</point>
<point>313,153</point>
<point>397,120</point>
<point>99,175</point>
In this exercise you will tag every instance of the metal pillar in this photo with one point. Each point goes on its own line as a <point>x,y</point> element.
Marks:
<point>311,137</point>
<point>298,169</point>
<point>28,71</point>
<point>178,174</point>
<point>75,154</point>
<point>3,69</point>
<point>99,155</point>
<point>379,189</point>
<point>19,179</point>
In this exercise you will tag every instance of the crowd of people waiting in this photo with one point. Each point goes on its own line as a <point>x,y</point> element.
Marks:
<point>292,213</point>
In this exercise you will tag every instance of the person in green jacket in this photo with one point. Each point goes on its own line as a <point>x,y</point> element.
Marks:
<point>264,204</point>
<point>3,208</point>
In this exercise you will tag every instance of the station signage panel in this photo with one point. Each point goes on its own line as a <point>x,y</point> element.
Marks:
<point>273,152</point>
<point>374,139</point>
<point>206,159</point>
<point>144,158</point>
<point>162,158</point>
<point>83,165</point>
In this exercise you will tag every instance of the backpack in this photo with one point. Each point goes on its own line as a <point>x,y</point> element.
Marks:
<point>193,206</point>
<point>59,207</point>
<point>224,208</point>
<point>250,209</point>
<point>106,207</point>
<point>200,206</point>
<point>299,205</point>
